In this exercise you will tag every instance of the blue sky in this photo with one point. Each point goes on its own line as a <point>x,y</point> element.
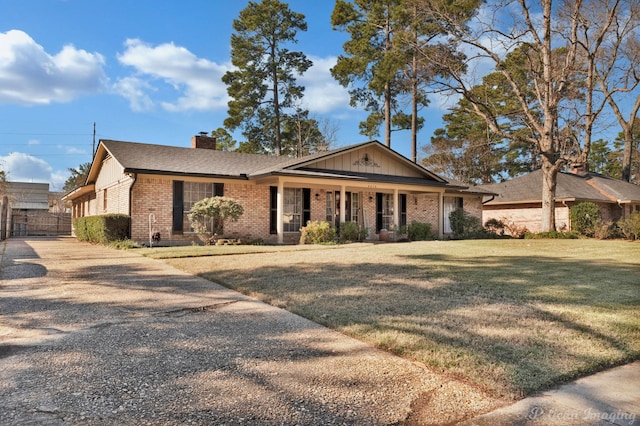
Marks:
<point>144,71</point>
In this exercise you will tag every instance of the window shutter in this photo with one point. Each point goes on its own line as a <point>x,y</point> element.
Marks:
<point>273,209</point>
<point>403,209</point>
<point>306,206</point>
<point>218,189</point>
<point>378,212</point>
<point>178,205</point>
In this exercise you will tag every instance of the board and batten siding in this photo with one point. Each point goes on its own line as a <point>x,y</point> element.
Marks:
<point>367,160</point>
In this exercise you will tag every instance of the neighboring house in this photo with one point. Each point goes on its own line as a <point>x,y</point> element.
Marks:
<point>519,201</point>
<point>26,211</point>
<point>367,183</point>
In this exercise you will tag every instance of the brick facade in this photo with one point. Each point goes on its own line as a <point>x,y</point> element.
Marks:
<point>140,179</point>
<point>153,212</point>
<point>530,215</point>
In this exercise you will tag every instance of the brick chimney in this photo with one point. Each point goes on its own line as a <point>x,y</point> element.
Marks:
<point>579,168</point>
<point>203,141</point>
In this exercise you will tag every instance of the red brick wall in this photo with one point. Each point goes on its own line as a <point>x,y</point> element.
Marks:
<point>152,209</point>
<point>530,215</point>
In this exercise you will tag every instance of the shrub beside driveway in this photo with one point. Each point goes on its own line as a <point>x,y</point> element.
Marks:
<point>511,316</point>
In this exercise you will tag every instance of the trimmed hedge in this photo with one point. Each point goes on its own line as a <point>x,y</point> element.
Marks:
<point>102,229</point>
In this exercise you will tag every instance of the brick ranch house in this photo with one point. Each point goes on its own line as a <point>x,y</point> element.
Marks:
<point>519,200</point>
<point>366,183</point>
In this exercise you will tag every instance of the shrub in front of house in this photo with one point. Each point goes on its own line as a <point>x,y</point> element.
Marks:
<point>351,231</point>
<point>465,225</point>
<point>102,229</point>
<point>419,231</point>
<point>557,235</point>
<point>585,218</point>
<point>630,226</point>
<point>207,217</point>
<point>318,232</point>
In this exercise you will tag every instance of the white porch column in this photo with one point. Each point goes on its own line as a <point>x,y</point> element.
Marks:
<point>280,212</point>
<point>396,209</point>
<point>440,215</point>
<point>343,204</point>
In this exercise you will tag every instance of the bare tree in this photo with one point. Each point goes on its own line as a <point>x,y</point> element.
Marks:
<point>548,34</point>
<point>615,68</point>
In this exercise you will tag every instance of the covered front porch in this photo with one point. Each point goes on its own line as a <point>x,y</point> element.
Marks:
<point>377,206</point>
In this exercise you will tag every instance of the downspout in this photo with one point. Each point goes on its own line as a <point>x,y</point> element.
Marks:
<point>489,200</point>
<point>441,215</point>
<point>133,177</point>
<point>564,203</point>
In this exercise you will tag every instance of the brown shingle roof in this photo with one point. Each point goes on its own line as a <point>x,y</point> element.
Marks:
<point>579,187</point>
<point>139,157</point>
<point>170,160</point>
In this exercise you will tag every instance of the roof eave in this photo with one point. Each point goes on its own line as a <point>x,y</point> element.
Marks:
<point>79,192</point>
<point>240,176</point>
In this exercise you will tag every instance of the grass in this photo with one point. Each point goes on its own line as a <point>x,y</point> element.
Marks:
<point>213,250</point>
<point>512,317</point>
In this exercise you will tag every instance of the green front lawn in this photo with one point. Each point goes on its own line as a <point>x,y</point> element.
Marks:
<point>511,316</point>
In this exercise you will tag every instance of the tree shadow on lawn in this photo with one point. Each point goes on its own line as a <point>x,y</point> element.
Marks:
<point>511,325</point>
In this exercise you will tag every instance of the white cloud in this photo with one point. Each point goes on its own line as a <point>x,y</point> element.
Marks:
<point>322,92</point>
<point>73,150</point>
<point>22,167</point>
<point>197,80</point>
<point>134,89</point>
<point>30,76</point>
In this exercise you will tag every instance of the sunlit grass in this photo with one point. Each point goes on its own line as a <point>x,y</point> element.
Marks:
<point>511,316</point>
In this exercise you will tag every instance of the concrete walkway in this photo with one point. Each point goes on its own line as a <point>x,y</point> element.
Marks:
<point>90,335</point>
<point>608,398</point>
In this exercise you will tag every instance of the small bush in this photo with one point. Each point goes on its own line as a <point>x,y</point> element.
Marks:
<point>102,229</point>
<point>495,225</point>
<point>630,226</point>
<point>318,232</point>
<point>350,231</point>
<point>571,235</point>
<point>585,218</point>
<point>464,225</point>
<point>419,231</point>
<point>606,230</point>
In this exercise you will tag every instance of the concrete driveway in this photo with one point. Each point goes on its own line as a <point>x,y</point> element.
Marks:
<point>91,335</point>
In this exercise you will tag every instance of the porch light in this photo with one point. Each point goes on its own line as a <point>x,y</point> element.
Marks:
<point>317,196</point>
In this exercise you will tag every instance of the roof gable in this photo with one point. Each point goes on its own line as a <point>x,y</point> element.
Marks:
<point>364,159</point>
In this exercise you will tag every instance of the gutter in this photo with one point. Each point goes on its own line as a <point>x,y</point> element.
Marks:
<point>242,176</point>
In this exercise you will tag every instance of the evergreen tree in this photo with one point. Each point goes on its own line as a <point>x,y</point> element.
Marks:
<point>263,84</point>
<point>78,177</point>
<point>370,58</point>
<point>224,141</point>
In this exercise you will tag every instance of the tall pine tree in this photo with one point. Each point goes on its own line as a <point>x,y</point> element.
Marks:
<point>263,84</point>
